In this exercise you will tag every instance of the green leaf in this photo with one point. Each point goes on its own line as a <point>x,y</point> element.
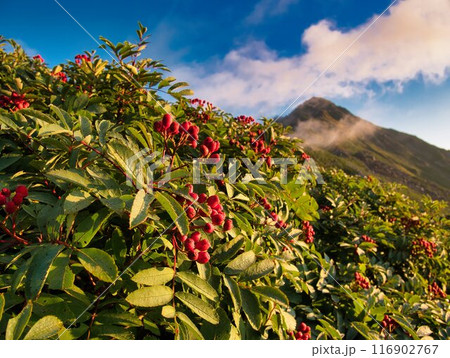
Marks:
<point>39,269</point>
<point>192,328</point>
<point>140,207</point>
<point>365,331</point>
<point>86,230</point>
<point>235,292</point>
<point>76,201</point>
<point>405,325</point>
<point>150,296</point>
<point>2,305</point>
<point>175,210</point>
<point>271,293</point>
<point>333,332</point>
<point>73,176</point>
<point>16,325</point>
<point>52,129</point>
<point>125,318</point>
<point>240,263</point>
<point>154,276</point>
<point>61,276</point>
<point>85,126</point>
<point>227,251</point>
<point>45,328</point>
<point>250,305</point>
<point>198,284</point>
<point>258,270</point>
<point>98,263</point>
<point>199,307</point>
<point>168,312</point>
<point>81,101</point>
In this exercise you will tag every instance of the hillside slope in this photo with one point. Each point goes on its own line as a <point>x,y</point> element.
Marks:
<point>338,138</point>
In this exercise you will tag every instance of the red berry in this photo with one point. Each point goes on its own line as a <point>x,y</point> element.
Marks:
<point>18,199</point>
<point>204,150</point>
<point>183,238</point>
<point>194,196</point>
<point>302,327</point>
<point>193,144</point>
<point>203,257</point>
<point>216,157</point>
<point>166,121</point>
<point>208,228</point>
<point>6,192</point>
<point>10,207</point>
<point>22,190</point>
<point>196,236</point>
<point>189,244</point>
<point>174,128</point>
<point>228,225</point>
<point>190,212</point>
<point>213,201</point>
<point>2,199</point>
<point>218,219</point>
<point>202,198</point>
<point>203,245</point>
<point>186,125</point>
<point>193,255</point>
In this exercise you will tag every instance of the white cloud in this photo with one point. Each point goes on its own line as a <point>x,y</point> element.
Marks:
<point>409,42</point>
<point>266,8</point>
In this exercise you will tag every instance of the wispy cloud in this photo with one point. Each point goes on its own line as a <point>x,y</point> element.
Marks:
<point>409,42</point>
<point>268,8</point>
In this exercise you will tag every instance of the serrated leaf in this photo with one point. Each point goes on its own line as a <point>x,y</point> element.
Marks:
<point>227,251</point>
<point>16,325</point>
<point>88,228</point>
<point>39,269</point>
<point>77,200</point>
<point>126,319</point>
<point>98,263</point>
<point>154,276</point>
<point>150,296</point>
<point>271,293</point>
<point>45,328</point>
<point>198,284</point>
<point>175,211</point>
<point>195,333</point>
<point>85,126</point>
<point>333,332</point>
<point>423,331</point>
<point>199,307</point>
<point>52,129</point>
<point>73,176</point>
<point>139,209</point>
<point>250,305</point>
<point>257,270</point>
<point>235,292</point>
<point>240,263</point>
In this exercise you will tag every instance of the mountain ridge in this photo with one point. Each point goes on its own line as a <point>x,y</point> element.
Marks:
<point>336,137</point>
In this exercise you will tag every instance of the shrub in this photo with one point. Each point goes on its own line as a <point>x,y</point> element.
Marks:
<point>93,246</point>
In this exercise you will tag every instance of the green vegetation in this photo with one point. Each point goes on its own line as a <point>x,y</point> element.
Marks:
<point>93,248</point>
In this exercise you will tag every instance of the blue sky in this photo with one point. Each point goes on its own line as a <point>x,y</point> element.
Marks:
<point>256,57</point>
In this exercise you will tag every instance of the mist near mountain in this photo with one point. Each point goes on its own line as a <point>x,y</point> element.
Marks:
<point>335,137</point>
<point>317,133</point>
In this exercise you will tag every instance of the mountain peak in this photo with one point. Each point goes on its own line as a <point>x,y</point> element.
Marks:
<point>317,108</point>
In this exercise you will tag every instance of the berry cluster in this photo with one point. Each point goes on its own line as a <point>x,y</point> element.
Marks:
<point>308,230</point>
<point>436,291</point>
<point>305,156</point>
<point>389,323</point>
<point>238,144</point>
<point>208,147</point>
<point>366,238</point>
<point>202,103</point>
<point>13,204</point>
<point>303,332</point>
<point>14,103</point>
<point>61,75</point>
<point>260,147</point>
<point>196,247</point>
<point>39,58</point>
<point>362,281</point>
<point>169,129</point>
<point>265,203</point>
<point>424,247</point>
<point>280,224</point>
<point>79,59</point>
<point>244,119</point>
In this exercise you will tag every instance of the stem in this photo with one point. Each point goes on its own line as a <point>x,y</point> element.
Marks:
<point>13,235</point>
<point>174,243</point>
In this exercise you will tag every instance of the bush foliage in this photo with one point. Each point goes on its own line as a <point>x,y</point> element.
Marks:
<point>91,248</point>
